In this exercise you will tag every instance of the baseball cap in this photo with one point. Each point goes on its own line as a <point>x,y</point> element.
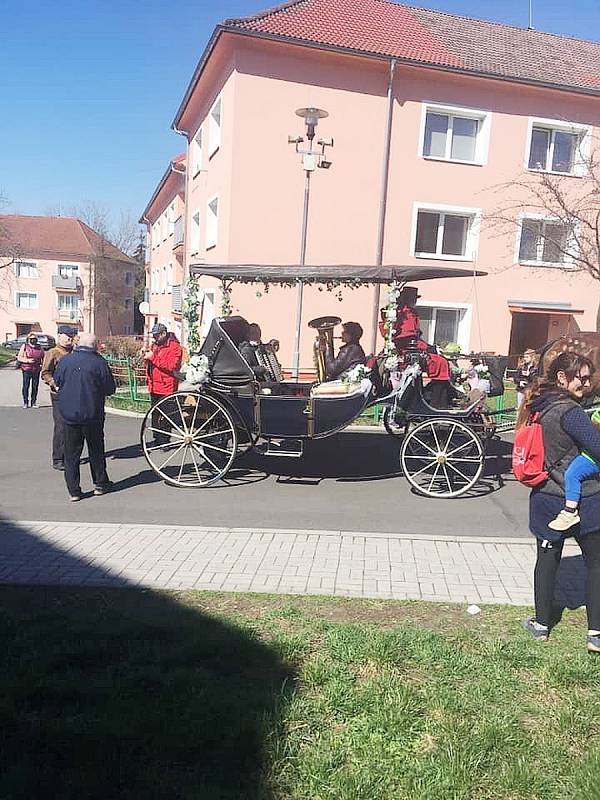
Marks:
<point>158,328</point>
<point>67,330</point>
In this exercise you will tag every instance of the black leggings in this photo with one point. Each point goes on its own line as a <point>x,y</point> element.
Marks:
<point>544,578</point>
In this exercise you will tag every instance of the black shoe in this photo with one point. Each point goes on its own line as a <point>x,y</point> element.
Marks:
<point>60,467</point>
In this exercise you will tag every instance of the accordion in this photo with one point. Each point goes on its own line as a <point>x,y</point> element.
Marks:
<point>266,357</point>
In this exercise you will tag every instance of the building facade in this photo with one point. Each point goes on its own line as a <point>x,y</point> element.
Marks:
<point>438,124</point>
<point>57,270</point>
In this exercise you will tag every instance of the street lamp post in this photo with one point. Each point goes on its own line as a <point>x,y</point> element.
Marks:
<point>311,159</point>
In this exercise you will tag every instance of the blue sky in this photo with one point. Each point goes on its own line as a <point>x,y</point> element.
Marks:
<point>89,88</point>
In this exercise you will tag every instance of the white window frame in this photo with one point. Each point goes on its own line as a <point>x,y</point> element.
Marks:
<point>71,270</point>
<point>73,302</point>
<point>212,223</point>
<point>464,322</point>
<point>29,263</point>
<point>195,233</point>
<point>212,293</point>
<point>569,262</point>
<point>171,219</point>
<point>170,277</point>
<point>582,151</point>
<point>214,128</point>
<point>36,302</point>
<point>482,140</point>
<point>156,233</point>
<point>163,279</point>
<point>197,149</point>
<point>472,245</point>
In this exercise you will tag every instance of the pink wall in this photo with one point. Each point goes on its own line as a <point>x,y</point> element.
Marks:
<point>260,181</point>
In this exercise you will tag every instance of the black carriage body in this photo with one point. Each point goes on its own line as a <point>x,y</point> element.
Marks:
<point>288,411</point>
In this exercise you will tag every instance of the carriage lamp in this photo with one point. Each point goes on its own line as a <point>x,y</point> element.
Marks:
<point>311,159</point>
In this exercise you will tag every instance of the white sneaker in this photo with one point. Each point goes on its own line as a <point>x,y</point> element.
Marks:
<point>564,520</point>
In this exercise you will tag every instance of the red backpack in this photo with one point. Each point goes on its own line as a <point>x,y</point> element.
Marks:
<point>528,453</point>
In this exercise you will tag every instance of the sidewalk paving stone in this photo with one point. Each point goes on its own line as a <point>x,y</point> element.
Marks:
<point>445,568</point>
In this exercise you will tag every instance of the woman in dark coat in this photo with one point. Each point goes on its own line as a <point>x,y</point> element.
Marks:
<point>567,430</point>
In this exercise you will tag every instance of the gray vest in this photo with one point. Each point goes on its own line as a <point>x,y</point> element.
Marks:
<point>560,449</point>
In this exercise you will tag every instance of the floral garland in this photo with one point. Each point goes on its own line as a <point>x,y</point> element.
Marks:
<point>193,297</point>
<point>197,370</point>
<point>226,307</point>
<point>357,374</point>
<point>390,315</point>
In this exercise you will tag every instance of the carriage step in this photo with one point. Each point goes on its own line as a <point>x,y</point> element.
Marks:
<point>284,448</point>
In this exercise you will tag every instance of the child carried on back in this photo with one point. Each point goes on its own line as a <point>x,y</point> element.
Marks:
<point>580,469</point>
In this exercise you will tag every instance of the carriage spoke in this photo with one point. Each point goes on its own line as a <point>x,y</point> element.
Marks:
<point>161,430</point>
<point>462,474</point>
<point>463,458</point>
<point>206,421</point>
<point>426,446</point>
<point>182,462</point>
<point>433,477</point>
<point>449,439</point>
<point>195,464</point>
<point>183,422</point>
<point>173,454</point>
<point>220,449</point>
<point>214,433</point>
<point>460,447</point>
<point>206,458</point>
<point>429,466</point>
<point>447,477</point>
<point>435,436</point>
<point>177,428</point>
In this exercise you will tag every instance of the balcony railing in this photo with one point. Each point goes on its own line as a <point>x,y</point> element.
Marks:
<point>71,284</point>
<point>178,232</point>
<point>177,299</point>
<point>68,314</point>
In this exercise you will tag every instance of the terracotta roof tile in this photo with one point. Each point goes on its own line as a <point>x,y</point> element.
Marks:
<point>433,37</point>
<point>53,238</point>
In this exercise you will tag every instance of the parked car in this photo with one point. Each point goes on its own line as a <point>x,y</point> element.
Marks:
<point>44,339</point>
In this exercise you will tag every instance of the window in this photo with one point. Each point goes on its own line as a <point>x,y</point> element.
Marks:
<point>195,234</point>
<point>558,147</point>
<point>212,222</point>
<point>544,241</point>
<point>197,152</point>
<point>128,330</point>
<point>163,280</point>
<point>26,300</point>
<point>128,304</point>
<point>214,128</point>
<point>169,278</point>
<point>26,269</point>
<point>68,306</point>
<point>455,134</point>
<point>209,305</point>
<point>446,233</point>
<point>128,278</point>
<point>441,323</point>
<point>164,225</point>
<point>68,270</point>
<point>171,219</point>
<point>156,234</point>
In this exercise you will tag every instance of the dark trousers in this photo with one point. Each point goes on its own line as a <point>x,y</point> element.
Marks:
<point>162,426</point>
<point>544,579</point>
<point>439,397</point>
<point>31,380</point>
<point>58,435</point>
<point>75,436</point>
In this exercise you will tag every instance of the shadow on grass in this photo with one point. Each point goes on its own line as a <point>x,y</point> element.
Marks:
<point>121,692</point>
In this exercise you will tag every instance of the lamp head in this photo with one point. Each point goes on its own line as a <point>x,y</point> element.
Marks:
<point>311,117</point>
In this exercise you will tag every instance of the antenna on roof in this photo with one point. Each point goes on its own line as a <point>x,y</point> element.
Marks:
<point>530,26</point>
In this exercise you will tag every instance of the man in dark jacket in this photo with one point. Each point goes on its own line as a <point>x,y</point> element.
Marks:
<point>66,335</point>
<point>84,380</point>
<point>349,355</point>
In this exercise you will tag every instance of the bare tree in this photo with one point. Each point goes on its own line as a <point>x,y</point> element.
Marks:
<point>558,215</point>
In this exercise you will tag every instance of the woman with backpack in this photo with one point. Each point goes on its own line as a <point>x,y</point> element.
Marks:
<point>555,399</point>
<point>30,360</point>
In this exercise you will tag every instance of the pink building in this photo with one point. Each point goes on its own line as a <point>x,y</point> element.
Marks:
<point>164,220</point>
<point>434,119</point>
<point>57,270</point>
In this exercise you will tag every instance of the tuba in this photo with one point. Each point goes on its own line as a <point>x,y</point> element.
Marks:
<point>324,342</point>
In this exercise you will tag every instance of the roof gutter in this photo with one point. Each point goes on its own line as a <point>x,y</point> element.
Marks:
<point>385,175</point>
<point>196,77</point>
<point>412,62</point>
<point>171,168</point>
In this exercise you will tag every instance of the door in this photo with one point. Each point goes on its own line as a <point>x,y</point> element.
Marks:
<point>23,328</point>
<point>528,331</point>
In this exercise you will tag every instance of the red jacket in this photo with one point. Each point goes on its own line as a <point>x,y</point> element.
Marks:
<point>166,358</point>
<point>406,325</point>
<point>438,368</point>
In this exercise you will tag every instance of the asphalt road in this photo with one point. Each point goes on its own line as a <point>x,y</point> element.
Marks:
<point>348,482</point>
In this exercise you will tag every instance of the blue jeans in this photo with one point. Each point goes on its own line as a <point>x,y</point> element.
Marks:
<point>30,380</point>
<point>580,469</point>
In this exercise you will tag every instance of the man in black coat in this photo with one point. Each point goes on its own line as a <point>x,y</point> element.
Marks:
<point>84,380</point>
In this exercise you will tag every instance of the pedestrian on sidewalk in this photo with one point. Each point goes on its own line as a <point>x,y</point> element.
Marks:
<point>566,430</point>
<point>84,380</point>
<point>30,358</point>
<point>163,359</point>
<point>66,335</point>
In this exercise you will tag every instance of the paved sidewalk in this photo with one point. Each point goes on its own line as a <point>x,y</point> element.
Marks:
<point>444,568</point>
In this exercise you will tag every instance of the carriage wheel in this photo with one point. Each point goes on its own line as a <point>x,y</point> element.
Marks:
<point>394,424</point>
<point>442,458</point>
<point>189,439</point>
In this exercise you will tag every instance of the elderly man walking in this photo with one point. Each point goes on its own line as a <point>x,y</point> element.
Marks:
<point>66,334</point>
<point>84,380</point>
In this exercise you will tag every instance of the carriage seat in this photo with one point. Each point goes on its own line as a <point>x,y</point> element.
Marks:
<point>340,388</point>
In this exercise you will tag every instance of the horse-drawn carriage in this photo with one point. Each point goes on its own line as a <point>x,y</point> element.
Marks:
<point>199,431</point>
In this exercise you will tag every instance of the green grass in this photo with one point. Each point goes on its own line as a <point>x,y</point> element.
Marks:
<point>108,693</point>
<point>125,403</point>
<point>6,355</point>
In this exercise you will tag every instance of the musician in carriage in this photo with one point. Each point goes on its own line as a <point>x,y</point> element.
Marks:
<point>349,355</point>
<point>261,357</point>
